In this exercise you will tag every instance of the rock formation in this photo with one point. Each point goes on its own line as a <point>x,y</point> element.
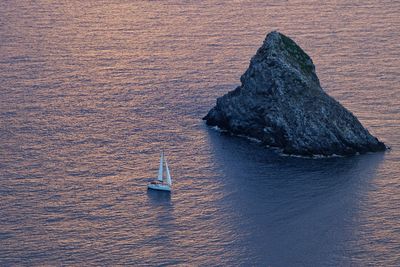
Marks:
<point>280,102</point>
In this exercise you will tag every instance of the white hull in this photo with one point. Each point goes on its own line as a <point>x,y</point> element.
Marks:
<point>161,187</point>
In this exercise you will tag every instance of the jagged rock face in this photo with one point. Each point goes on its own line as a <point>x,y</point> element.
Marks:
<point>282,103</point>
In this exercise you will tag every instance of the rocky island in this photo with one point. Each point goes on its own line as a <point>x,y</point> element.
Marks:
<point>281,102</point>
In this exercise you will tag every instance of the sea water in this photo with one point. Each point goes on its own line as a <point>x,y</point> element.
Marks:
<point>92,91</point>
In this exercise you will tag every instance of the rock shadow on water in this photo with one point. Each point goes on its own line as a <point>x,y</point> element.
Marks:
<point>294,210</point>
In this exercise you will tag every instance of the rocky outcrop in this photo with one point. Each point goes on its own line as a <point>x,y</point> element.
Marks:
<point>280,102</point>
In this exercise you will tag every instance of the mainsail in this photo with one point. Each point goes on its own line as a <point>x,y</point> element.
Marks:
<point>160,170</point>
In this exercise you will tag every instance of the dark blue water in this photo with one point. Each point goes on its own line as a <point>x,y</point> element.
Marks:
<point>92,91</point>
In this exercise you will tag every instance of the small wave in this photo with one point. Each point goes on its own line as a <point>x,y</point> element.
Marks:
<point>316,156</point>
<point>53,220</point>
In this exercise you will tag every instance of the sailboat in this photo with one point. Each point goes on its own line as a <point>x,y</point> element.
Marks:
<point>160,183</point>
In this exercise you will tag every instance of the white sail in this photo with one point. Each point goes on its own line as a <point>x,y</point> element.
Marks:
<point>160,170</point>
<point>169,181</point>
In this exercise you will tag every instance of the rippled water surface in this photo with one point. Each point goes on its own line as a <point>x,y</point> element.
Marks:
<point>92,90</point>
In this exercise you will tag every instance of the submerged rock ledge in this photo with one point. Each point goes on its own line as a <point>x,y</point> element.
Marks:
<point>281,102</point>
